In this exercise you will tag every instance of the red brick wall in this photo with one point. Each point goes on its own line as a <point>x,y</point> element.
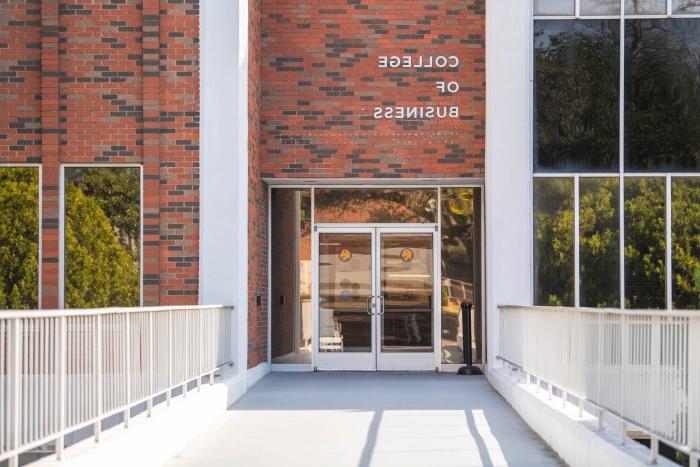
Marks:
<point>109,81</point>
<point>257,194</point>
<point>321,84</point>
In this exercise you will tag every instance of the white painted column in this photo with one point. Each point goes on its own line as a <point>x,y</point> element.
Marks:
<point>223,277</point>
<point>508,161</point>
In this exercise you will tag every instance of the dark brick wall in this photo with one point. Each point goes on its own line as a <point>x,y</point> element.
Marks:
<point>257,194</point>
<point>109,81</point>
<point>321,84</point>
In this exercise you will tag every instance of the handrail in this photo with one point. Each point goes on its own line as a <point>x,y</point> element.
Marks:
<point>639,367</point>
<point>63,370</point>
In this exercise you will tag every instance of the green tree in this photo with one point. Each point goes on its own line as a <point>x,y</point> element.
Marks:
<point>686,242</point>
<point>554,241</point>
<point>100,270</point>
<point>19,237</point>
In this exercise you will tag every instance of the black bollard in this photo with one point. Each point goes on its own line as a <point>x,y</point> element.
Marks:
<point>469,368</point>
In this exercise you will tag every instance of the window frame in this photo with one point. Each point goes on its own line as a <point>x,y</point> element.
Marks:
<point>40,198</point>
<point>621,173</point>
<point>62,220</point>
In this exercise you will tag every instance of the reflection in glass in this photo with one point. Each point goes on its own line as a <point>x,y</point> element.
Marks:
<point>577,66</point>
<point>645,243</point>
<point>554,7</point>
<point>290,250</point>
<point>599,242</point>
<point>662,94</point>
<point>600,7</point>
<point>554,241</point>
<point>19,238</point>
<point>685,227</point>
<point>460,265</point>
<point>345,286</point>
<point>102,236</point>
<point>407,288</point>
<point>682,7</point>
<point>645,7</point>
<point>375,205</point>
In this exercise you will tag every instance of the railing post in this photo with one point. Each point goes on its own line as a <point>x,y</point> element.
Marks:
<point>151,371</point>
<point>185,355</point>
<point>202,335</point>
<point>15,372</point>
<point>61,389</point>
<point>98,376</point>
<point>624,359</point>
<point>654,457</point>
<point>694,387</point>
<point>214,313</point>
<point>169,393</point>
<point>655,355</point>
<point>127,410</point>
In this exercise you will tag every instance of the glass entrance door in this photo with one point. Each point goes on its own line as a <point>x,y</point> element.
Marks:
<point>375,299</point>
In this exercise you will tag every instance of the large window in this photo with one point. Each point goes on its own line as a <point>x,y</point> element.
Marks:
<point>290,275</point>
<point>617,187</point>
<point>102,236</point>
<point>19,237</point>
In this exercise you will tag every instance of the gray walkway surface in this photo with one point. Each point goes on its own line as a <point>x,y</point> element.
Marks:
<point>368,419</point>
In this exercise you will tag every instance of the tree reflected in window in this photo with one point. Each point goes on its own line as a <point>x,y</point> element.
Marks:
<point>599,242</point>
<point>686,242</point>
<point>19,237</point>
<point>662,94</point>
<point>577,69</point>
<point>102,236</point>
<point>554,241</point>
<point>645,244</point>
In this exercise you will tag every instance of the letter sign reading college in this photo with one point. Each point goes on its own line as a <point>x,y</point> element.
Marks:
<point>443,87</point>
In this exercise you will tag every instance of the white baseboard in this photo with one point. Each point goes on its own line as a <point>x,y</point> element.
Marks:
<point>256,374</point>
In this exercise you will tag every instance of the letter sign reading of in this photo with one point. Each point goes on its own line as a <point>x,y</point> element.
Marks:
<point>443,87</point>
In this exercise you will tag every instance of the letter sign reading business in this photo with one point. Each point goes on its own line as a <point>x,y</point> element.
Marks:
<point>443,87</point>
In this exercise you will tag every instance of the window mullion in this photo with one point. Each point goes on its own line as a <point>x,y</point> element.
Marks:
<point>669,251</point>
<point>577,263</point>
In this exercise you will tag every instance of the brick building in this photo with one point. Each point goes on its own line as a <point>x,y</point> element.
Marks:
<point>322,165</point>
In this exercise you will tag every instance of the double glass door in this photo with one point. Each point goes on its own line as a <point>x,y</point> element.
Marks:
<point>376,298</point>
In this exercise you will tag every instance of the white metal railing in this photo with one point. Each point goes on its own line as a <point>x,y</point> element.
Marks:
<point>64,370</point>
<point>639,368</point>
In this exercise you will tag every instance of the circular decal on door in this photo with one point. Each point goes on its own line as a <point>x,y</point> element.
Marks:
<point>406,255</point>
<point>345,255</point>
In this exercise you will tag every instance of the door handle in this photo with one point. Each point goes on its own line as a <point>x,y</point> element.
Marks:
<point>369,305</point>
<point>381,307</point>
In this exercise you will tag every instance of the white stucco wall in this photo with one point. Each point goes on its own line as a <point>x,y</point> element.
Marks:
<point>224,161</point>
<point>508,160</point>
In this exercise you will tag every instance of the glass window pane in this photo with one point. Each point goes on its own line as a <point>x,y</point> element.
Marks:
<point>344,288</point>
<point>645,244</point>
<point>460,227</point>
<point>554,241</point>
<point>686,6</point>
<point>406,285</point>
<point>662,94</point>
<point>291,275</point>
<point>645,7</point>
<point>19,238</point>
<point>554,7</point>
<point>102,236</point>
<point>600,7</point>
<point>577,66</point>
<point>686,242</point>
<point>375,205</point>
<point>599,242</point>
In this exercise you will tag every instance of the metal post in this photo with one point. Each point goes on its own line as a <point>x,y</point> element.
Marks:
<point>169,393</point>
<point>15,372</point>
<point>694,386</point>
<point>127,410</point>
<point>214,313</point>
<point>468,368</point>
<point>98,375</point>
<point>654,458</point>
<point>185,355</point>
<point>61,390</point>
<point>151,371</point>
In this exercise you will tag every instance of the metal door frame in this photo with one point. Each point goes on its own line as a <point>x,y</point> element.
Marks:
<point>376,360</point>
